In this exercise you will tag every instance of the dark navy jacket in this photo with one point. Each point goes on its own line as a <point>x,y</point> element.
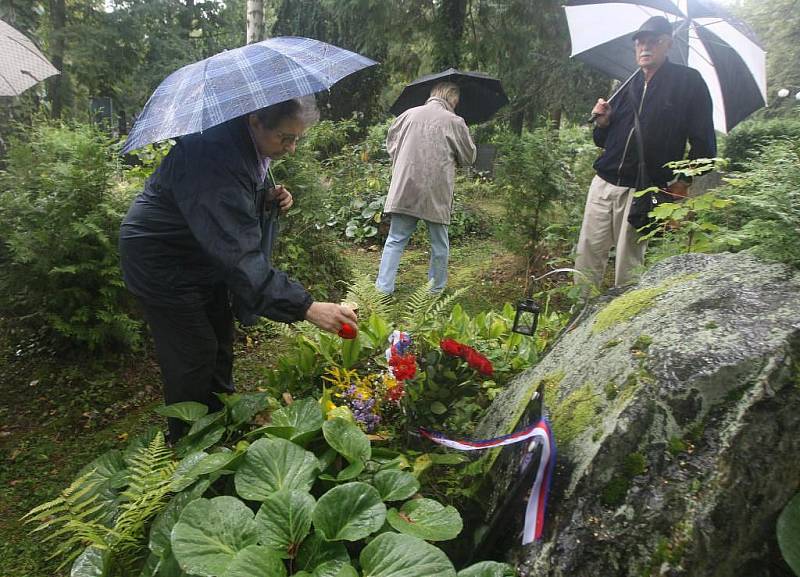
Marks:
<point>202,220</point>
<point>677,107</point>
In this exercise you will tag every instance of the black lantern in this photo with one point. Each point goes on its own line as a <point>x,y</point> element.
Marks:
<point>527,317</point>
<point>528,309</point>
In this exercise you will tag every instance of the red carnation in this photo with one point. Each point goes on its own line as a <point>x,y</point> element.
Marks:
<point>479,363</point>
<point>347,331</point>
<point>451,347</point>
<point>403,367</point>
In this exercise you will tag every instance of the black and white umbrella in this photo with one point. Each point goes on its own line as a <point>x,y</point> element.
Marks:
<point>21,64</point>
<point>723,49</point>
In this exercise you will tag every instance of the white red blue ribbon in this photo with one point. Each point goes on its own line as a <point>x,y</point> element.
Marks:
<point>540,434</point>
<point>399,341</point>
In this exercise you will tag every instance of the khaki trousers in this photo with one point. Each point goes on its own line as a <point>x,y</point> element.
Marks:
<point>605,224</point>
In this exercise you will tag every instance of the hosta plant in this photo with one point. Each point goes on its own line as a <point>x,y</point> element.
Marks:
<point>303,494</point>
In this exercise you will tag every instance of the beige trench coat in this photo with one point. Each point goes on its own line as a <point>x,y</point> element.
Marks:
<point>425,143</point>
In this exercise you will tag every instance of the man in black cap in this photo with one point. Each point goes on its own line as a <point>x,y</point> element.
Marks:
<point>673,106</point>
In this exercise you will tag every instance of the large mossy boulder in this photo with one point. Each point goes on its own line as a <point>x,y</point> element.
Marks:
<point>676,409</point>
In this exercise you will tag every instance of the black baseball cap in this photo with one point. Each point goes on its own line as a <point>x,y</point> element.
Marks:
<point>657,25</point>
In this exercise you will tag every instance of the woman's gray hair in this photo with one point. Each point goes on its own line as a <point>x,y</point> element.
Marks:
<point>303,109</point>
<point>447,90</point>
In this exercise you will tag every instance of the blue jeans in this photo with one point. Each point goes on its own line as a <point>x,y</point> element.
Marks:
<point>400,231</point>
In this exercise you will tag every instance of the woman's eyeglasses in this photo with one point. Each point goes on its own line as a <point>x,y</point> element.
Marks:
<point>288,139</point>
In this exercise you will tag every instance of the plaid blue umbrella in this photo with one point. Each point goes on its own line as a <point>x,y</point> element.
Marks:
<point>232,83</point>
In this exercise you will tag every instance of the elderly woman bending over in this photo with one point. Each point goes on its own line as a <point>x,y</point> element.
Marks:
<point>196,250</point>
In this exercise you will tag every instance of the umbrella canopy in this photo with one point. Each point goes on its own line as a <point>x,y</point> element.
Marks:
<point>723,49</point>
<point>481,95</point>
<point>21,64</point>
<point>232,83</point>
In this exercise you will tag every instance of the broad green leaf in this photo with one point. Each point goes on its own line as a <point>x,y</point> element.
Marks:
<point>438,408</point>
<point>150,567</point>
<point>161,529</point>
<point>394,485</point>
<point>316,551</point>
<point>256,560</point>
<point>350,472</point>
<point>789,534</point>
<point>206,422</point>
<point>448,458</point>
<point>347,439</point>
<point>488,569</point>
<point>188,412</point>
<point>108,476</point>
<point>342,412</point>
<point>201,440</point>
<point>304,416</point>
<point>209,534</point>
<point>284,520</point>
<point>182,477</point>
<point>93,562</point>
<point>349,512</point>
<point>270,465</point>
<point>282,432</point>
<point>213,463</point>
<point>328,569</point>
<point>247,406</point>
<point>345,571</point>
<point>394,555</point>
<point>426,519</point>
<point>110,467</point>
<point>158,567</point>
<point>351,349</point>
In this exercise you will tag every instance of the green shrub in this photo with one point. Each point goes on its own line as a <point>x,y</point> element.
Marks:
<point>746,141</point>
<point>535,171</point>
<point>306,494</point>
<point>765,213</point>
<point>61,201</point>
<point>306,250</point>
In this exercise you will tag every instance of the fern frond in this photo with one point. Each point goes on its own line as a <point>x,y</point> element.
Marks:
<point>150,471</point>
<point>440,308</point>
<point>416,306</point>
<point>147,467</point>
<point>362,291</point>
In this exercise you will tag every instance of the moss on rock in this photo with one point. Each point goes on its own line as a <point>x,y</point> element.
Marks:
<point>575,414</point>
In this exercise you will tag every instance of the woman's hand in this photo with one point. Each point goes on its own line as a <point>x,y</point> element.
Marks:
<point>283,197</point>
<point>331,316</point>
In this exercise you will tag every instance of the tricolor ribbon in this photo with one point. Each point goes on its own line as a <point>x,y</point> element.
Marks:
<point>399,341</point>
<point>540,434</point>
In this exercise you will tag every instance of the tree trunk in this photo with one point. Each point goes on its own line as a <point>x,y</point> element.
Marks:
<point>448,33</point>
<point>56,84</point>
<point>255,21</point>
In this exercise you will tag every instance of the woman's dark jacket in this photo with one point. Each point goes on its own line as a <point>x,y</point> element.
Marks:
<point>677,107</point>
<point>201,220</point>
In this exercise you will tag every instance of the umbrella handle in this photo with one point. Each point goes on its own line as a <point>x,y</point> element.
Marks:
<point>593,117</point>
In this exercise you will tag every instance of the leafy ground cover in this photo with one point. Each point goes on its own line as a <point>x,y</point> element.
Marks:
<point>58,414</point>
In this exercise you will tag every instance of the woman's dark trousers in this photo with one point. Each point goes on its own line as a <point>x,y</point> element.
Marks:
<point>194,347</point>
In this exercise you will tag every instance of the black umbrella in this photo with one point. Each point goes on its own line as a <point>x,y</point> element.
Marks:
<point>706,37</point>
<point>481,95</point>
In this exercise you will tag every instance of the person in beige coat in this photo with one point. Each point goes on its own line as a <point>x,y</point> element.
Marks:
<point>425,143</point>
